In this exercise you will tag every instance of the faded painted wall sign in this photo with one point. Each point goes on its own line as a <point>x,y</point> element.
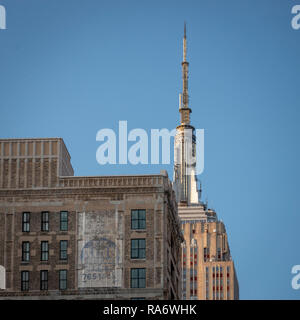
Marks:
<point>100,249</point>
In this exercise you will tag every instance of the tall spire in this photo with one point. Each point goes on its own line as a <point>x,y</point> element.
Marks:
<point>184,43</point>
<point>185,180</point>
<point>184,96</point>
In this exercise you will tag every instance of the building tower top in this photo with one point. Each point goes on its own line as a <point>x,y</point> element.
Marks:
<point>185,180</point>
<point>184,96</point>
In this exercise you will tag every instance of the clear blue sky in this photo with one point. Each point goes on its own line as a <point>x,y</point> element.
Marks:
<point>70,68</point>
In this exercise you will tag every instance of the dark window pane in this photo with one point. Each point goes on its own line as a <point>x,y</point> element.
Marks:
<point>134,283</point>
<point>63,249</point>
<point>63,279</point>
<point>25,251</point>
<point>26,222</point>
<point>142,283</point>
<point>138,247</point>
<point>44,280</point>
<point>45,221</point>
<point>138,278</point>
<point>134,214</point>
<point>24,280</point>
<point>138,219</point>
<point>44,250</point>
<point>64,220</point>
<point>142,253</point>
<point>134,224</point>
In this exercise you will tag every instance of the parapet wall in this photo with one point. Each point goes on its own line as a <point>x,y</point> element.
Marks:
<point>33,163</point>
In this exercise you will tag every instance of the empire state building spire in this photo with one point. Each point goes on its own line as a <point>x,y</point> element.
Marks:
<point>184,96</point>
<point>185,180</point>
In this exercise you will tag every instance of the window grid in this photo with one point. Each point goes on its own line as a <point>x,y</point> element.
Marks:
<point>24,280</point>
<point>44,251</point>
<point>25,251</point>
<point>138,219</point>
<point>64,221</point>
<point>45,221</point>
<point>26,222</point>
<point>138,248</point>
<point>138,278</point>
<point>63,253</point>
<point>44,279</point>
<point>62,279</point>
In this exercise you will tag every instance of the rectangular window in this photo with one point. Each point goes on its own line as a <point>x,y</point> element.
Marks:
<point>45,221</point>
<point>219,254</point>
<point>228,272</point>
<point>206,254</point>
<point>44,251</point>
<point>24,280</point>
<point>64,221</point>
<point>138,278</point>
<point>138,248</point>
<point>44,279</point>
<point>25,251</point>
<point>63,253</point>
<point>138,219</point>
<point>26,222</point>
<point>63,279</point>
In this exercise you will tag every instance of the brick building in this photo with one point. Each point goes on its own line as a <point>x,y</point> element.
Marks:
<point>103,237</point>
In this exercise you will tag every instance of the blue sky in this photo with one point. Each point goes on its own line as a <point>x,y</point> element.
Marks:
<point>71,68</point>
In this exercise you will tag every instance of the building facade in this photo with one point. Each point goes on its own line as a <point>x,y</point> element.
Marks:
<point>208,272</point>
<point>68,237</point>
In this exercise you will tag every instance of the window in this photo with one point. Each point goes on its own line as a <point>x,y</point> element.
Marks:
<point>26,222</point>
<point>25,251</point>
<point>44,279</point>
<point>44,251</point>
<point>228,272</point>
<point>219,254</point>
<point>206,254</point>
<point>138,248</point>
<point>138,278</point>
<point>63,246</point>
<point>62,279</point>
<point>45,221</point>
<point>138,219</point>
<point>64,221</point>
<point>24,280</point>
